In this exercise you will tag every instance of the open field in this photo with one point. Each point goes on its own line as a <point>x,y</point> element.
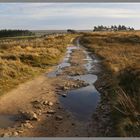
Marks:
<point>22,58</point>
<point>120,54</point>
<point>112,59</point>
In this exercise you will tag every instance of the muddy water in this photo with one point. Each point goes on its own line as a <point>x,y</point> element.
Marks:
<point>81,102</point>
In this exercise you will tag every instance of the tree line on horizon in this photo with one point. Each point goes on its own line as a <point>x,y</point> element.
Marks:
<point>13,33</point>
<point>113,28</point>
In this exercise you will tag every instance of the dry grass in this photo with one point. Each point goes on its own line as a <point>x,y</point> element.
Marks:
<point>21,59</point>
<point>121,54</point>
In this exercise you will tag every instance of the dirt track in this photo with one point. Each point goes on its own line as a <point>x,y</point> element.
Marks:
<point>60,122</point>
<point>41,89</point>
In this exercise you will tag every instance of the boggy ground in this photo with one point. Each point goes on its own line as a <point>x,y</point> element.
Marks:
<point>36,107</point>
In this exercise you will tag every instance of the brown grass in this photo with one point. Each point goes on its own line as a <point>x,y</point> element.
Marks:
<point>121,55</point>
<point>21,59</point>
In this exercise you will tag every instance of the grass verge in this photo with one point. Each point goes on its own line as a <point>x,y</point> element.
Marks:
<point>21,59</point>
<point>120,57</point>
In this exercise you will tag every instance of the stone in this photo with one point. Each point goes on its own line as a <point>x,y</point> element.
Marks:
<point>75,86</point>
<point>27,125</point>
<point>65,88</point>
<point>45,102</point>
<point>64,95</point>
<point>30,115</point>
<point>59,118</point>
<point>5,135</point>
<point>20,131</point>
<point>102,107</point>
<point>72,123</point>
<point>50,111</point>
<point>50,103</point>
<point>15,134</point>
<point>35,102</point>
<point>37,106</point>
<point>59,107</point>
<point>39,112</point>
<point>27,121</point>
<point>49,115</point>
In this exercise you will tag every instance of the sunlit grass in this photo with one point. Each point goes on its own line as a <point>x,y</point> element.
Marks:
<point>121,55</point>
<point>24,58</point>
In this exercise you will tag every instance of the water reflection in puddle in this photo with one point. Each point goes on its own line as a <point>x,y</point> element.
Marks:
<point>89,65</point>
<point>81,102</point>
<point>88,78</point>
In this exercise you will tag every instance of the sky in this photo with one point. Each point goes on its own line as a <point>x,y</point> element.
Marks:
<point>51,16</point>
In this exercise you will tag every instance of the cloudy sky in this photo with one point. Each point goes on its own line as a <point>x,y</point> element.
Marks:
<point>67,15</point>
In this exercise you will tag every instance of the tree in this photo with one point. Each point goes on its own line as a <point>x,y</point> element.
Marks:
<point>112,28</point>
<point>71,31</point>
<point>12,33</point>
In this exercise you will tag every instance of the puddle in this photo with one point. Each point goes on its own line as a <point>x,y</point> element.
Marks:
<point>64,63</point>
<point>88,78</point>
<point>81,102</point>
<point>6,121</point>
<point>89,65</point>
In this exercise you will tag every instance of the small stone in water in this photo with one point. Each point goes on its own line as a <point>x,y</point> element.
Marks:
<point>64,95</point>
<point>59,118</point>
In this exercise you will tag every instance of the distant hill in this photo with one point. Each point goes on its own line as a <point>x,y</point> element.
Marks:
<point>43,32</point>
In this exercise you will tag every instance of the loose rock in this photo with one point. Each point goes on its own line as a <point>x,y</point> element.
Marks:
<point>35,102</point>
<point>27,125</point>
<point>65,88</point>
<point>50,103</point>
<point>50,111</point>
<point>59,118</point>
<point>15,134</point>
<point>20,131</point>
<point>64,95</point>
<point>45,102</point>
<point>5,135</point>
<point>38,106</point>
<point>30,115</point>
